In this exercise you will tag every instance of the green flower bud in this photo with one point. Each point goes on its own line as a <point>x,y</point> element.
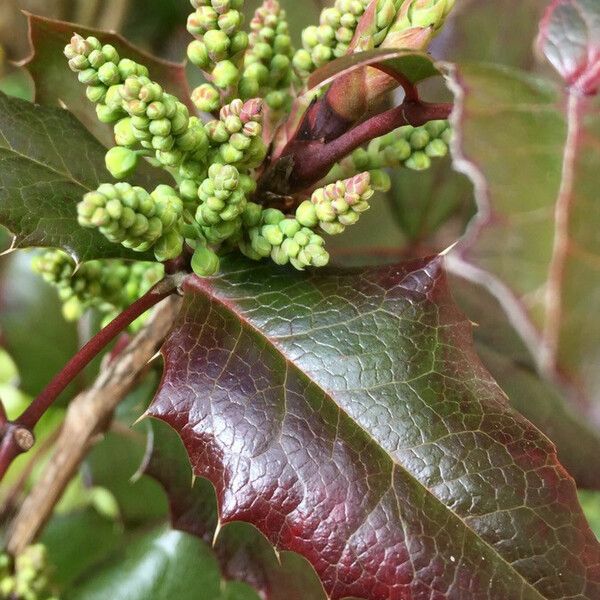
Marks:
<point>306,214</point>
<point>205,262</point>
<point>217,44</point>
<point>272,234</point>
<point>225,74</point>
<point>419,138</point>
<point>121,162</point>
<point>107,115</point>
<point>198,54</point>
<point>169,246</point>
<point>206,98</point>
<point>109,74</point>
<point>124,135</point>
<point>436,149</point>
<point>96,93</point>
<point>419,161</point>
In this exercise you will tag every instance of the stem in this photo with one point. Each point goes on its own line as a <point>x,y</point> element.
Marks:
<point>14,434</point>
<point>312,160</point>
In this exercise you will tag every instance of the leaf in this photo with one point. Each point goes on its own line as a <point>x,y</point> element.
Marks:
<point>414,66</point>
<point>161,565</point>
<point>480,30</point>
<point>243,552</point>
<point>47,162</point>
<point>541,401</point>
<point>348,418</point>
<point>78,540</point>
<point>531,149</point>
<point>423,202</point>
<point>57,85</point>
<point>570,39</point>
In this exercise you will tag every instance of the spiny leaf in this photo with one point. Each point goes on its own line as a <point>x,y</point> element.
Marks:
<point>531,148</point>
<point>348,417</point>
<point>47,162</point>
<point>57,85</point>
<point>541,401</point>
<point>242,551</point>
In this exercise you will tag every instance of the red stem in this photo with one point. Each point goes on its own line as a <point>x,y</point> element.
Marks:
<point>314,159</point>
<point>9,446</point>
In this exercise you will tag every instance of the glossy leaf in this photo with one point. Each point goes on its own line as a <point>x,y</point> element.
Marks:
<point>78,540</point>
<point>530,146</point>
<point>243,552</point>
<point>544,403</point>
<point>47,162</point>
<point>161,565</point>
<point>57,85</point>
<point>348,417</point>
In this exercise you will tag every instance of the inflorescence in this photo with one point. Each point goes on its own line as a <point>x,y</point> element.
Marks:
<point>213,206</point>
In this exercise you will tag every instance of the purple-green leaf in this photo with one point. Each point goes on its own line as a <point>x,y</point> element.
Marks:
<point>531,148</point>
<point>347,416</point>
<point>48,161</point>
<point>57,85</point>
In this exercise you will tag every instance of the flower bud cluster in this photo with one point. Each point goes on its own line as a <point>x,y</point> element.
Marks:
<point>158,122</point>
<point>338,24</point>
<point>411,147</point>
<point>284,239</point>
<point>102,70</point>
<point>218,48</point>
<point>107,285</point>
<point>337,205</point>
<point>27,577</point>
<point>423,13</point>
<point>331,38</point>
<point>132,217</point>
<point>267,68</point>
<point>237,135</point>
<point>223,200</point>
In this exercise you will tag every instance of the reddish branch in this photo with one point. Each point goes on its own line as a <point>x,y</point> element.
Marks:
<point>311,160</point>
<point>17,436</point>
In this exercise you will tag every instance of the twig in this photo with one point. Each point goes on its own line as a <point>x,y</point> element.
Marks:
<point>88,416</point>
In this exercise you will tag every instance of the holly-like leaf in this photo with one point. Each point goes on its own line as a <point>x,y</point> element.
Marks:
<point>534,396</point>
<point>242,551</point>
<point>57,85</point>
<point>348,417</point>
<point>47,162</point>
<point>531,148</point>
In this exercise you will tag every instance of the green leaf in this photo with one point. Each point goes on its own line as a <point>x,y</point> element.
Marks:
<point>161,565</point>
<point>530,147</point>
<point>78,540</point>
<point>480,30</point>
<point>544,403</point>
<point>347,416</point>
<point>47,162</point>
<point>423,202</point>
<point>57,85</point>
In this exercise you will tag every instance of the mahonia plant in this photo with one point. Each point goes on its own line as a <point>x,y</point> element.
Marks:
<point>218,201</point>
